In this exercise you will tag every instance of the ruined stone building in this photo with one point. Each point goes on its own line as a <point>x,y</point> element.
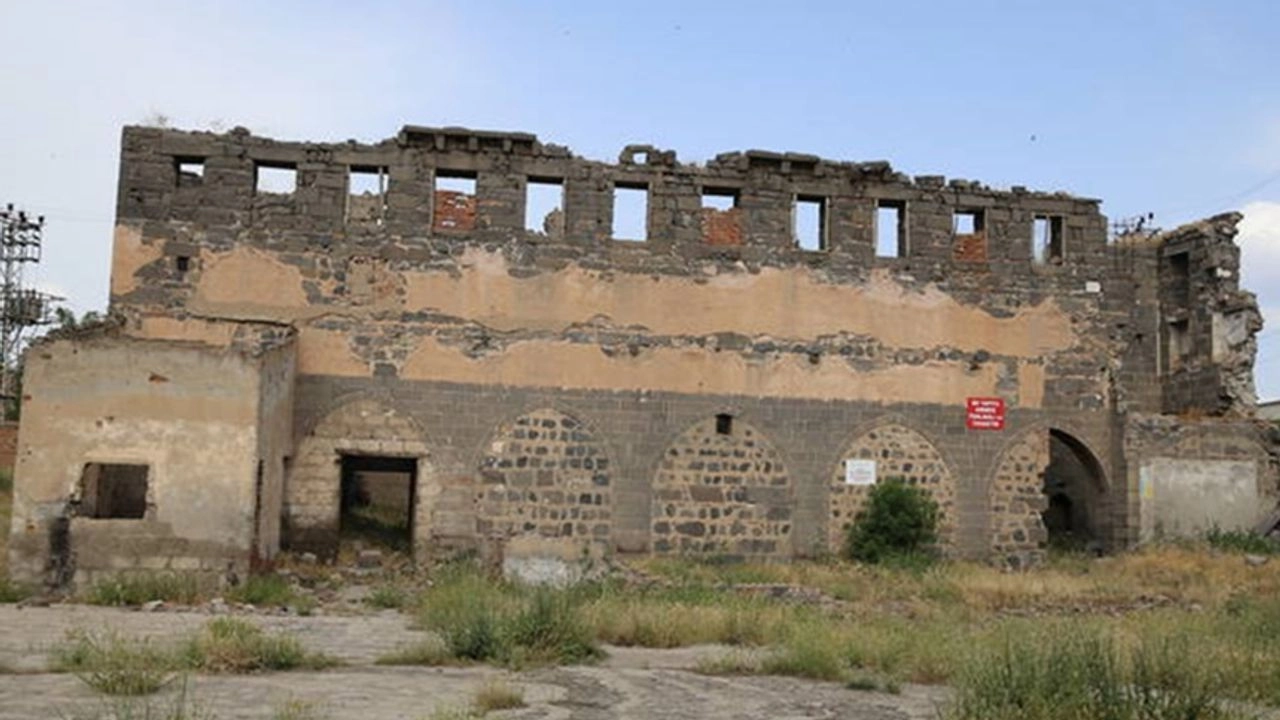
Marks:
<point>531,352</point>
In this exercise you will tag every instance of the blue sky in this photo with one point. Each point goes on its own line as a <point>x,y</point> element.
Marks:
<point>1169,107</point>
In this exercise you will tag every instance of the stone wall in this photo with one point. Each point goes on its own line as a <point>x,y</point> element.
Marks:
<point>187,416</point>
<point>559,385</point>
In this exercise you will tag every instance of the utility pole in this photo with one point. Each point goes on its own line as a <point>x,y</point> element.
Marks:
<point>21,307</point>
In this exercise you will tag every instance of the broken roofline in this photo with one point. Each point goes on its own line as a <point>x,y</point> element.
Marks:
<point>269,151</point>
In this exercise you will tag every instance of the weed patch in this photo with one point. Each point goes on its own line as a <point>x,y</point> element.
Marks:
<point>262,590</point>
<point>497,695</point>
<point>430,651</point>
<point>232,645</point>
<point>140,588</point>
<point>485,620</point>
<point>113,665</point>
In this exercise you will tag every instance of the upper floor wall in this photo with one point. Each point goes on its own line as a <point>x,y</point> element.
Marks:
<point>777,208</point>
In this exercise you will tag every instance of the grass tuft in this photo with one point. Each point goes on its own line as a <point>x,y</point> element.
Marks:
<point>113,665</point>
<point>263,591</point>
<point>497,695</point>
<point>431,651</point>
<point>388,597</point>
<point>232,645</point>
<point>140,588</point>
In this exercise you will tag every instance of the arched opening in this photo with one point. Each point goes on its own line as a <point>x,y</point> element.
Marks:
<point>1074,485</point>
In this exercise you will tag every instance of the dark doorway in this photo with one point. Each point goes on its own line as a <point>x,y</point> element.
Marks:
<point>1074,484</point>
<point>378,495</point>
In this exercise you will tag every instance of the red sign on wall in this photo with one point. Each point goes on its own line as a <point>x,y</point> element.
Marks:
<point>983,413</point>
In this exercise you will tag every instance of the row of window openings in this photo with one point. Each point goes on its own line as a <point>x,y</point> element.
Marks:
<point>545,199</point>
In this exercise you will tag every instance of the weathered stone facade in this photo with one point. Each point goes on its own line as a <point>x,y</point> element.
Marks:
<point>900,453</point>
<point>693,389</point>
<point>722,489</point>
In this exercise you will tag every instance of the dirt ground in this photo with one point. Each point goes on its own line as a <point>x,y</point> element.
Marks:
<point>631,683</point>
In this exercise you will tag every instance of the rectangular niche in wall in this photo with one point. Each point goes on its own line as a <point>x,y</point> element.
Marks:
<point>113,491</point>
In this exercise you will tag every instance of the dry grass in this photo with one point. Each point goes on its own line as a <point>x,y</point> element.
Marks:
<point>497,695</point>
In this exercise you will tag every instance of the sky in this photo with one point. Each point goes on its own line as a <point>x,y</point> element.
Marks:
<point>1169,106</point>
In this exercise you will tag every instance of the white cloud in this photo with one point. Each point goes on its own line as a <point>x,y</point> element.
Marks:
<point>73,73</point>
<point>1259,241</point>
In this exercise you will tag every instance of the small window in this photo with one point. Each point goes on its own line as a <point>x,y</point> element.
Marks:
<point>1179,343</point>
<point>721,224</point>
<point>190,171</point>
<point>113,491</point>
<point>544,206</point>
<point>724,424</point>
<point>810,226</point>
<point>366,194</point>
<point>630,212</point>
<point>967,222</point>
<point>182,264</point>
<point>275,179</point>
<point>1046,239</point>
<point>891,228</point>
<point>455,201</point>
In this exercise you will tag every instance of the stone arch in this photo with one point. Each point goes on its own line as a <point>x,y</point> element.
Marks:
<point>361,426</point>
<point>1023,486</point>
<point>722,488</point>
<point>545,474</point>
<point>898,451</point>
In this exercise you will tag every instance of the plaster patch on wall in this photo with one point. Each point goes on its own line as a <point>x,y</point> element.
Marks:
<point>328,352</point>
<point>129,254</point>
<point>484,291</point>
<point>248,283</point>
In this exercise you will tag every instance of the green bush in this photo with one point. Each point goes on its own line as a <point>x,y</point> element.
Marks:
<point>899,524</point>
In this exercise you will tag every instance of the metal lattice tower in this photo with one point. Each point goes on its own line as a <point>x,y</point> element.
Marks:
<point>21,308</point>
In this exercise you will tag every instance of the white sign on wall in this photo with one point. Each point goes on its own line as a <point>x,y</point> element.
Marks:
<point>859,472</point>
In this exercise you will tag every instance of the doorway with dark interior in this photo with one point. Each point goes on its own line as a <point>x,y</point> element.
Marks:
<point>1075,487</point>
<point>378,496</point>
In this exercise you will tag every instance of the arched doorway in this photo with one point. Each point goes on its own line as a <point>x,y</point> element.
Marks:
<point>1075,488</point>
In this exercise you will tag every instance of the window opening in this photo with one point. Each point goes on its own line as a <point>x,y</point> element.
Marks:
<point>967,222</point>
<point>275,179</point>
<point>724,424</point>
<point>190,171</point>
<point>182,264</point>
<point>544,206</point>
<point>810,223</point>
<point>378,495</point>
<point>366,194</point>
<point>113,491</point>
<point>721,220</point>
<point>1046,239</point>
<point>630,212</point>
<point>455,201</point>
<point>891,228</point>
